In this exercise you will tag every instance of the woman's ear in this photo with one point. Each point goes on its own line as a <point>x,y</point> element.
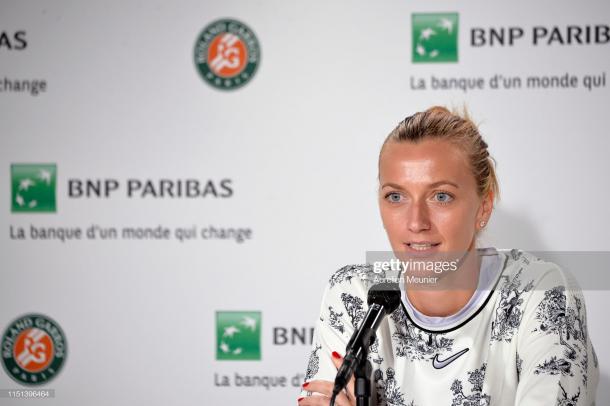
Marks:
<point>485,210</point>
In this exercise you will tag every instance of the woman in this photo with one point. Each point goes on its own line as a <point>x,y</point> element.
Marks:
<point>494,327</point>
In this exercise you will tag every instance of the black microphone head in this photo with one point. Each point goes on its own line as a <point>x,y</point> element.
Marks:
<point>386,295</point>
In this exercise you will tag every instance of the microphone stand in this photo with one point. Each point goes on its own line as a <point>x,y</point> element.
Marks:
<point>362,386</point>
<point>383,299</point>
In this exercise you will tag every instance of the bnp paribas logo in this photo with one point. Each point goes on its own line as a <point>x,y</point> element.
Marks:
<point>434,37</point>
<point>238,335</point>
<point>33,187</point>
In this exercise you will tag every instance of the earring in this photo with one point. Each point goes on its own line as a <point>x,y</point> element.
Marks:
<point>482,223</point>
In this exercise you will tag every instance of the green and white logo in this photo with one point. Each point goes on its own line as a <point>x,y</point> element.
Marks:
<point>435,37</point>
<point>238,335</point>
<point>33,187</point>
<point>227,54</point>
<point>34,349</point>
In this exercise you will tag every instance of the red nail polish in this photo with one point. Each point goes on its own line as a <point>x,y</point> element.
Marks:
<point>299,399</point>
<point>336,355</point>
<point>306,384</point>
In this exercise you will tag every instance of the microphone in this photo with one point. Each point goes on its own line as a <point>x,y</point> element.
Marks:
<point>383,299</point>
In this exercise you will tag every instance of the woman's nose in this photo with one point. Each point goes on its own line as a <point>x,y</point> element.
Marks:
<point>418,218</point>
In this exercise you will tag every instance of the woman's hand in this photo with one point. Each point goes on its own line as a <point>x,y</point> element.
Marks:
<point>325,390</point>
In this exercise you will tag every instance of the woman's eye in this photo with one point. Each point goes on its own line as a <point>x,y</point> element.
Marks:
<point>443,197</point>
<point>393,197</point>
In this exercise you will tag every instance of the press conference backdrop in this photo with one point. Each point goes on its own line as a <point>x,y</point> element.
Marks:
<point>179,179</point>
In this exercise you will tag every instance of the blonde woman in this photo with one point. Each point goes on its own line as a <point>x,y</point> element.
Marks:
<point>502,328</point>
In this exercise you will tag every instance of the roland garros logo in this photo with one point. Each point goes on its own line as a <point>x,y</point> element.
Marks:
<point>33,349</point>
<point>227,54</point>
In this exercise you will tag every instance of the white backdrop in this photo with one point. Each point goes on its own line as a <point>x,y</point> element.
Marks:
<point>299,143</point>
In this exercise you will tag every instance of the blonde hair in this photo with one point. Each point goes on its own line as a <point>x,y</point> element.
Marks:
<point>438,122</point>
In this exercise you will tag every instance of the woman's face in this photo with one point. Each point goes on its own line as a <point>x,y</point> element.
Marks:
<point>428,198</point>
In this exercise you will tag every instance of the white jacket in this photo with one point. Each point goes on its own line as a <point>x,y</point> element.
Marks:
<point>525,344</point>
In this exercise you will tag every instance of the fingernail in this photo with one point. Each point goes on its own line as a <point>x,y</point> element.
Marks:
<point>336,355</point>
<point>306,384</point>
<point>299,399</point>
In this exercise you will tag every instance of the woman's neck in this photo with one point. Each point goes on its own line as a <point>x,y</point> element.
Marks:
<point>451,293</point>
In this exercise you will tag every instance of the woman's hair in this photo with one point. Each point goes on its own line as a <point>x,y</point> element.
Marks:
<point>439,123</point>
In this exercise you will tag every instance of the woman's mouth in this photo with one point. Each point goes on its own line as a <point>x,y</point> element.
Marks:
<point>422,246</point>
